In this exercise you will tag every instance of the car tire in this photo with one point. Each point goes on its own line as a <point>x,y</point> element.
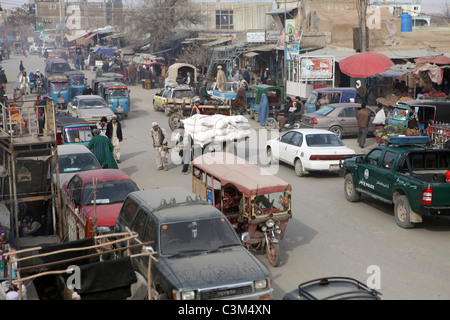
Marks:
<point>402,212</point>
<point>337,131</point>
<point>351,194</point>
<point>298,168</point>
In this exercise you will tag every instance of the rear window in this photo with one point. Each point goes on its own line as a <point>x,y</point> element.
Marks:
<point>323,140</point>
<point>183,94</point>
<point>324,110</point>
<point>59,67</point>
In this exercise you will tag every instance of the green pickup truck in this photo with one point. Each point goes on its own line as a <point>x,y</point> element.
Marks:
<point>405,172</point>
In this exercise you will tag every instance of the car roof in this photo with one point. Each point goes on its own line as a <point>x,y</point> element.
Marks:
<point>103,175</point>
<point>89,96</point>
<point>312,131</point>
<point>170,204</point>
<point>72,148</point>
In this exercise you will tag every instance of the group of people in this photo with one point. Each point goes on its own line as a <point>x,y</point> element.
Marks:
<point>105,144</point>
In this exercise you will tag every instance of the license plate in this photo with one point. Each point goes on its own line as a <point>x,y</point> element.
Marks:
<point>334,167</point>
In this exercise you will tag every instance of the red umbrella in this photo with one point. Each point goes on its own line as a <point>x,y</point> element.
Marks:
<point>365,64</point>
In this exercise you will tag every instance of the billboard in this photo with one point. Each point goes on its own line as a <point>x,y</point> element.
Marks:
<point>318,68</point>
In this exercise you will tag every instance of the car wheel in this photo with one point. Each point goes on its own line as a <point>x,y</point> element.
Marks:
<point>351,194</point>
<point>298,168</point>
<point>402,212</point>
<point>337,131</point>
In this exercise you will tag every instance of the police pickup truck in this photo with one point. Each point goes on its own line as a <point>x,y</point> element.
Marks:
<point>405,172</point>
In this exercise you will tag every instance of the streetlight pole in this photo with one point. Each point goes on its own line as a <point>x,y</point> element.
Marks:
<point>285,49</point>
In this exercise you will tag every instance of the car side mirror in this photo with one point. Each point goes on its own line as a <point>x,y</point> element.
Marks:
<point>148,249</point>
<point>359,160</point>
<point>245,237</point>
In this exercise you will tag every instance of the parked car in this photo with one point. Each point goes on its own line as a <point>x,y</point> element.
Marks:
<point>81,214</point>
<point>199,255</point>
<point>308,150</point>
<point>172,97</point>
<point>90,108</point>
<point>73,159</point>
<point>333,288</point>
<point>339,118</point>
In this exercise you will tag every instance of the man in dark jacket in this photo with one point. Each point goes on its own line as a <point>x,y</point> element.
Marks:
<point>3,80</point>
<point>363,117</point>
<point>114,133</point>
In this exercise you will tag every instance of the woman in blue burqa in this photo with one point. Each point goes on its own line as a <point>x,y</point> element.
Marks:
<point>263,112</point>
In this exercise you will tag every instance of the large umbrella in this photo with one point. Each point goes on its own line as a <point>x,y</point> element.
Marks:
<point>365,64</point>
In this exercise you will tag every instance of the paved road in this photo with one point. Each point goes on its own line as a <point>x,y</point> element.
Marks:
<point>327,236</point>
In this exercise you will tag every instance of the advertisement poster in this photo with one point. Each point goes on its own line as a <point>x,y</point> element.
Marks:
<point>316,68</point>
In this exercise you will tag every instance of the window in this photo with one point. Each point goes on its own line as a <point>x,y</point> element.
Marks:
<point>224,19</point>
<point>388,161</point>
<point>348,113</point>
<point>297,139</point>
<point>139,223</point>
<point>128,210</point>
<point>287,137</point>
<point>373,157</point>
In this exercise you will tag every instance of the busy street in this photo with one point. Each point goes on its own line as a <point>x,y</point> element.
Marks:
<point>327,235</point>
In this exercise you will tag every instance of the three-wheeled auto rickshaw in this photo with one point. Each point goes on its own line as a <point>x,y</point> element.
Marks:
<point>254,200</point>
<point>318,97</point>
<point>105,77</point>
<point>72,130</point>
<point>58,90</point>
<point>275,97</point>
<point>77,83</point>
<point>117,95</point>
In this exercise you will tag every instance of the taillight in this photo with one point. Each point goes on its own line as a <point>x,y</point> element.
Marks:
<point>314,121</point>
<point>328,157</point>
<point>427,195</point>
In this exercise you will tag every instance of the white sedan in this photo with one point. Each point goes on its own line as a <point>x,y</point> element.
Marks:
<point>308,150</point>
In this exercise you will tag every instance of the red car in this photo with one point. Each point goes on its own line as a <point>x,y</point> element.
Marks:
<point>79,211</point>
<point>58,54</point>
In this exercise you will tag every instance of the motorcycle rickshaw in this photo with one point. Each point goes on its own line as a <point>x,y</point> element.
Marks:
<point>72,130</point>
<point>77,83</point>
<point>117,95</point>
<point>58,90</point>
<point>251,198</point>
<point>275,96</point>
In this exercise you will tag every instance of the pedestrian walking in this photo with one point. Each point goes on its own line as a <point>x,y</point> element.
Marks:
<point>132,73</point>
<point>102,125</point>
<point>185,144</point>
<point>3,79</point>
<point>160,138</point>
<point>363,118</point>
<point>221,79</point>
<point>114,133</point>
<point>24,83</point>
<point>102,148</point>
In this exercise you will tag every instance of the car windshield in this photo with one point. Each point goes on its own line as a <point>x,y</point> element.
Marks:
<point>77,162</point>
<point>323,140</point>
<point>76,80</point>
<point>326,110</point>
<point>92,104</point>
<point>108,192</point>
<point>77,134</point>
<point>56,86</point>
<point>197,236</point>
<point>119,92</point>
<point>312,99</point>
<point>59,67</point>
<point>183,94</point>
<point>270,203</point>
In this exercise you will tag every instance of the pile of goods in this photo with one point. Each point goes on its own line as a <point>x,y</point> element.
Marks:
<point>206,129</point>
<point>383,135</point>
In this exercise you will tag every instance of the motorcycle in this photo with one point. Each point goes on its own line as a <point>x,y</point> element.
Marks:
<point>273,123</point>
<point>39,85</point>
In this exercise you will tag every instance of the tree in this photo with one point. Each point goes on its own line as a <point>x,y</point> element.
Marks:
<point>20,17</point>
<point>159,18</point>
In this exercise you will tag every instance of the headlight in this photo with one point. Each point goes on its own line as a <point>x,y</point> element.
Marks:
<point>270,223</point>
<point>188,295</point>
<point>260,284</point>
